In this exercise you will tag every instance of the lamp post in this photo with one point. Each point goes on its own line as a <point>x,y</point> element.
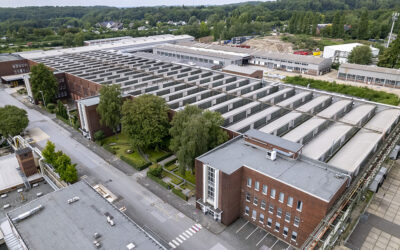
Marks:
<point>43,98</point>
<point>395,15</point>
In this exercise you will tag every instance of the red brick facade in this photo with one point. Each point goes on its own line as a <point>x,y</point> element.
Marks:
<point>27,162</point>
<point>233,190</point>
<point>81,88</point>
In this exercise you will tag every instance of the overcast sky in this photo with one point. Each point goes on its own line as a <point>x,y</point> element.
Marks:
<point>119,3</point>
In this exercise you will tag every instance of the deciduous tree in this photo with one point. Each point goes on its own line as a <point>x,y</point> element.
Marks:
<point>109,107</point>
<point>43,81</point>
<point>13,120</point>
<point>360,55</point>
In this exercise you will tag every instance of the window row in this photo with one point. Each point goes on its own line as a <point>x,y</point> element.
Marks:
<point>281,197</point>
<point>277,226</point>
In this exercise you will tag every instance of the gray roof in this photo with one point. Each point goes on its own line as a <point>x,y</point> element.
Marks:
<point>9,57</point>
<point>287,56</point>
<point>314,178</point>
<point>240,69</point>
<point>23,151</point>
<point>89,101</point>
<point>275,140</point>
<point>60,225</point>
<point>377,69</point>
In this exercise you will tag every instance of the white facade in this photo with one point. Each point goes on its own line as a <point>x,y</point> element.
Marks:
<point>339,53</point>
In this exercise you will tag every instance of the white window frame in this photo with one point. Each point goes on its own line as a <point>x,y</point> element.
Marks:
<point>277,225</point>
<point>254,214</point>
<point>271,207</point>
<point>290,201</point>
<point>285,231</point>
<point>265,189</point>
<point>296,221</point>
<point>249,182</point>
<point>265,204</point>
<point>248,197</point>
<point>287,216</point>
<point>279,212</point>
<point>301,206</point>
<point>281,197</point>
<point>246,210</point>
<point>294,234</point>
<point>273,193</point>
<point>269,222</point>
<point>255,201</point>
<point>263,218</point>
<point>257,185</point>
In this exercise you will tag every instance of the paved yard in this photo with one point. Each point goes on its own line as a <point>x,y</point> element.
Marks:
<point>379,227</point>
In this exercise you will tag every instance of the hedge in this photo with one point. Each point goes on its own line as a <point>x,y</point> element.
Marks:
<point>130,162</point>
<point>159,181</point>
<point>63,119</point>
<point>361,92</point>
<point>170,162</point>
<point>179,193</point>
<point>164,157</point>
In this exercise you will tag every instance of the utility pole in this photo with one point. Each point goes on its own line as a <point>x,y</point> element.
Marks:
<point>395,15</point>
<point>44,103</point>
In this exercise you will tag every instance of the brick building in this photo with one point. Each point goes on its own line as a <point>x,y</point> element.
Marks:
<point>11,65</point>
<point>265,179</point>
<point>26,161</point>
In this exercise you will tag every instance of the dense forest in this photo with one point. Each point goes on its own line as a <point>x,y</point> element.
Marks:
<point>70,26</point>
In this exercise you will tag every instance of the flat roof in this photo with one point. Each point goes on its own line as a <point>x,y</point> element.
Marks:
<point>383,120</point>
<point>348,47</point>
<point>254,118</point>
<point>72,226</point>
<point>307,176</point>
<point>287,56</point>
<point>280,122</point>
<point>308,106</point>
<point>357,114</point>
<point>304,129</point>
<point>10,175</point>
<point>5,57</point>
<point>334,109</point>
<point>369,68</point>
<point>240,69</point>
<point>272,139</point>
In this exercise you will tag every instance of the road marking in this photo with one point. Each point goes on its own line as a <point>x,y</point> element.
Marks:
<point>175,242</point>
<point>180,241</point>
<point>172,245</point>
<point>188,232</point>
<point>184,234</point>
<point>181,236</point>
<point>198,225</point>
<point>192,230</point>
<point>262,239</point>
<point>274,243</point>
<point>242,227</point>
<point>248,236</point>
<point>195,228</point>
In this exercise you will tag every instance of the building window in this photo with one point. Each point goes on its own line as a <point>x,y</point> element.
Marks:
<point>279,212</point>
<point>211,182</point>
<point>257,185</point>
<point>299,205</point>
<point>281,197</point>
<point>271,209</point>
<point>248,197</point>
<point>263,204</point>
<point>285,231</point>
<point>249,182</point>
<point>254,215</point>
<point>277,226</point>
<point>287,217</point>
<point>255,201</point>
<point>262,218</point>
<point>269,222</point>
<point>273,192</point>
<point>294,236</point>
<point>265,189</point>
<point>246,210</point>
<point>296,221</point>
<point>290,201</point>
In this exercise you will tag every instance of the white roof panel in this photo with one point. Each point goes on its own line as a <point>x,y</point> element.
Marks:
<point>277,124</point>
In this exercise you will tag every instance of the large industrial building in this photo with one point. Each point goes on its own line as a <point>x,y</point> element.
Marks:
<point>370,75</point>
<point>74,217</point>
<point>296,149</point>
<point>339,53</point>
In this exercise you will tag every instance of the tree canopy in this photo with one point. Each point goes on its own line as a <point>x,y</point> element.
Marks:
<point>145,120</point>
<point>391,56</point>
<point>195,132</point>
<point>13,120</point>
<point>43,81</point>
<point>110,106</point>
<point>360,55</point>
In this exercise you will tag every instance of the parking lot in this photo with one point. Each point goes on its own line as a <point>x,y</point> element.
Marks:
<point>256,237</point>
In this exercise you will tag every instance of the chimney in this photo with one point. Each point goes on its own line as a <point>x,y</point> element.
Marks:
<point>26,161</point>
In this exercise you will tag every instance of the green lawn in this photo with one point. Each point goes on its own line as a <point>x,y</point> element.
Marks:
<point>121,146</point>
<point>172,167</point>
<point>174,179</point>
<point>154,154</point>
<point>188,176</point>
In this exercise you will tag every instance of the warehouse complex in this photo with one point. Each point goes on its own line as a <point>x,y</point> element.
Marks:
<point>339,53</point>
<point>77,217</point>
<point>295,150</point>
<point>370,75</point>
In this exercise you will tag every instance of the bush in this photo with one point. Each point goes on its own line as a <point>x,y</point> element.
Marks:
<point>179,193</point>
<point>159,181</point>
<point>99,135</point>
<point>361,92</point>
<point>170,162</point>
<point>110,149</point>
<point>51,106</point>
<point>164,157</point>
<point>155,170</point>
<point>130,162</point>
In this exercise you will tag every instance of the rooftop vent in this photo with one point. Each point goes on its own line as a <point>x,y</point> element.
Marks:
<point>271,154</point>
<point>75,199</point>
<point>130,246</point>
<point>97,244</point>
<point>27,214</point>
<point>96,235</point>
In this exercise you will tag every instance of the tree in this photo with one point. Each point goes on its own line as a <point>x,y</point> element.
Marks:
<point>68,39</point>
<point>70,174</point>
<point>61,110</point>
<point>363,26</point>
<point>49,153</point>
<point>390,57</point>
<point>336,25</point>
<point>13,120</point>
<point>145,120</point>
<point>61,163</point>
<point>109,107</point>
<point>360,55</point>
<point>43,82</point>
<point>193,133</point>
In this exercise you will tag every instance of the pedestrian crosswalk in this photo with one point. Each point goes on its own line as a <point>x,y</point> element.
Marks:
<point>185,235</point>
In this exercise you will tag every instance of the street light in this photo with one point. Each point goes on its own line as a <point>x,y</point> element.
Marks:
<point>43,98</point>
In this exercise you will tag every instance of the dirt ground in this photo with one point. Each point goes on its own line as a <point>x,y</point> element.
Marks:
<point>270,43</point>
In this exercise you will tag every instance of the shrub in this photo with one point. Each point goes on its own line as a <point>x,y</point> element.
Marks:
<point>361,92</point>
<point>170,162</point>
<point>159,181</point>
<point>155,170</point>
<point>110,149</point>
<point>130,162</point>
<point>51,106</point>
<point>164,157</point>
<point>179,193</point>
<point>99,135</point>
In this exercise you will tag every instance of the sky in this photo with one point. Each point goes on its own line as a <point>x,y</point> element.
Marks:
<point>119,3</point>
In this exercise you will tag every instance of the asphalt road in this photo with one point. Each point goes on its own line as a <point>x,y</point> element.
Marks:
<point>142,205</point>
